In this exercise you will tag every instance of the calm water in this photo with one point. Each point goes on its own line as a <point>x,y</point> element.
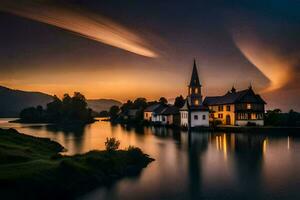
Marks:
<point>191,166</point>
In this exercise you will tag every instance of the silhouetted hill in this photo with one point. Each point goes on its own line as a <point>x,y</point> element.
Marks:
<point>102,104</point>
<point>13,101</point>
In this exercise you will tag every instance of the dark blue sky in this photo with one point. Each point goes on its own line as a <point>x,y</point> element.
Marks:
<point>228,39</point>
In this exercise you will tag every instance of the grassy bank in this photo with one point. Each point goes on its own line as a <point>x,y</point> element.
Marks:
<point>32,168</point>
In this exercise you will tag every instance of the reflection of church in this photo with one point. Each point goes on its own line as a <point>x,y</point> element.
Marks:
<point>240,108</point>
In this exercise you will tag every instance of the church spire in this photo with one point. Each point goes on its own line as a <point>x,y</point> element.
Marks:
<point>195,78</point>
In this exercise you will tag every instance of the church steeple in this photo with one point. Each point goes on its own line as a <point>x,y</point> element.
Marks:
<point>195,78</point>
<point>194,92</point>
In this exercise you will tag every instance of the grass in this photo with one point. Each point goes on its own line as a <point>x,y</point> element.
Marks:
<point>32,167</point>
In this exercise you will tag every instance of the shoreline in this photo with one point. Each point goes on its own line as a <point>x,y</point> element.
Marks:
<point>44,168</point>
<point>231,129</point>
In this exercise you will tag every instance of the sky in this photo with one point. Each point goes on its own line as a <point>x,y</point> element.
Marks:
<point>128,49</point>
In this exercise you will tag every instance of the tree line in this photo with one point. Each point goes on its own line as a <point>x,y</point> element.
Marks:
<point>139,104</point>
<point>66,110</point>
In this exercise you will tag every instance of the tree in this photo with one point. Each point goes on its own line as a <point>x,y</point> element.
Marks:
<point>113,112</point>
<point>126,106</point>
<point>140,103</point>
<point>179,101</point>
<point>111,144</point>
<point>163,100</point>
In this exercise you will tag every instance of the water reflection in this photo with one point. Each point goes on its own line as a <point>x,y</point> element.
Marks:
<point>191,165</point>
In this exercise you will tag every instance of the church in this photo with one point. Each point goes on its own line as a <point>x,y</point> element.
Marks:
<point>238,108</point>
<point>194,113</point>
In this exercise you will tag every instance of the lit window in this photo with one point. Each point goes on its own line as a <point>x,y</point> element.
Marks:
<point>220,108</point>
<point>248,106</point>
<point>195,117</point>
<point>196,90</point>
<point>220,116</point>
<point>227,108</point>
<point>196,102</point>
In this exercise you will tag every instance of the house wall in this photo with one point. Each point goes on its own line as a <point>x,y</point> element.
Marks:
<point>184,120</point>
<point>199,121</point>
<point>245,122</point>
<point>218,114</point>
<point>148,116</point>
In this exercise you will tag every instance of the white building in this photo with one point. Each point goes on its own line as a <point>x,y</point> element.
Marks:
<point>194,113</point>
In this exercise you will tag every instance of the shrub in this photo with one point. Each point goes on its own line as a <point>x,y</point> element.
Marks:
<point>112,144</point>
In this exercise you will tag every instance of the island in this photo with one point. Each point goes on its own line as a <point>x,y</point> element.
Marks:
<point>68,110</point>
<point>34,167</point>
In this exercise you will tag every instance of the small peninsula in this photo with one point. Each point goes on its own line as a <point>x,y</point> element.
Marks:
<point>33,167</point>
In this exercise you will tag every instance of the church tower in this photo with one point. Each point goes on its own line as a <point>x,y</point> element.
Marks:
<point>195,88</point>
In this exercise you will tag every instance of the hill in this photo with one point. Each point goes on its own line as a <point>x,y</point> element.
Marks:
<point>13,101</point>
<point>102,104</point>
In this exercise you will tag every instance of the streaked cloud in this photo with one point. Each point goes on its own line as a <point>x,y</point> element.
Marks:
<point>94,27</point>
<point>275,66</point>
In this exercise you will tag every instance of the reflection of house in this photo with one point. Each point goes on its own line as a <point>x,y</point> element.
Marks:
<point>237,107</point>
<point>194,113</point>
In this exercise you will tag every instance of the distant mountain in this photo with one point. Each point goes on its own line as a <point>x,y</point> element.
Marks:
<point>102,104</point>
<point>13,101</point>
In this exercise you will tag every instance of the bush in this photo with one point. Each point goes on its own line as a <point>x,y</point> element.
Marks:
<point>112,144</point>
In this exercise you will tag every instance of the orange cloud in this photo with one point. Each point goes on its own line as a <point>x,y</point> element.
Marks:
<point>93,27</point>
<point>276,67</point>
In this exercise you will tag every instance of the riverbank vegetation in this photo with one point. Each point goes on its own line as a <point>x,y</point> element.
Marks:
<point>278,118</point>
<point>67,110</point>
<point>34,168</point>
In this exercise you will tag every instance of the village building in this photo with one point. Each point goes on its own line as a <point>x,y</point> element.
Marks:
<point>148,112</point>
<point>194,113</point>
<point>239,108</point>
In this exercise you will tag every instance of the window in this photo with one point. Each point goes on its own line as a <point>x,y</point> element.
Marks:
<point>220,108</point>
<point>227,108</point>
<point>196,102</point>
<point>248,106</point>
<point>203,117</point>
<point>195,117</point>
<point>146,114</point>
<point>196,91</point>
<point>190,90</point>
<point>220,116</point>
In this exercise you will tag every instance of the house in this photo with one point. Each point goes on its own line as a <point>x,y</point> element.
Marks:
<point>170,116</point>
<point>157,116</point>
<point>194,113</point>
<point>237,108</point>
<point>148,112</point>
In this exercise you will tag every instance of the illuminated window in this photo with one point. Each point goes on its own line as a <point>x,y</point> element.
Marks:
<point>220,116</point>
<point>227,108</point>
<point>190,90</point>
<point>220,108</point>
<point>196,90</point>
<point>248,106</point>
<point>196,102</point>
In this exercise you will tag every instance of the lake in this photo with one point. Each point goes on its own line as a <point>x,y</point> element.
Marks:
<point>190,165</point>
